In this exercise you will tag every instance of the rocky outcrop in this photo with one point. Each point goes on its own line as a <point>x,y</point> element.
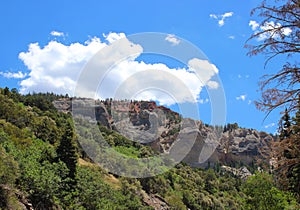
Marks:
<point>88,108</point>
<point>12,199</point>
<point>103,116</point>
<point>206,141</point>
<point>155,201</point>
<point>166,132</point>
<point>63,105</point>
<point>243,145</point>
<point>242,172</point>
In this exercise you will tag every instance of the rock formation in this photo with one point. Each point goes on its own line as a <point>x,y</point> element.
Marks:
<point>165,131</point>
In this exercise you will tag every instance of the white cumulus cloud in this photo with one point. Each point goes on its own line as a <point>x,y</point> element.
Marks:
<point>57,33</point>
<point>271,29</point>
<point>254,25</point>
<point>172,39</point>
<point>212,84</point>
<point>111,37</point>
<point>241,97</point>
<point>221,18</point>
<point>57,67</point>
<point>13,75</point>
<point>131,76</point>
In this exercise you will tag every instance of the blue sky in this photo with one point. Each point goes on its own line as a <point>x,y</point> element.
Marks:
<point>219,28</point>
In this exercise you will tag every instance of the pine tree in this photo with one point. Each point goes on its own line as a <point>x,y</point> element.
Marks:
<point>287,154</point>
<point>294,152</point>
<point>66,150</point>
<point>6,91</point>
<point>296,120</point>
<point>286,126</point>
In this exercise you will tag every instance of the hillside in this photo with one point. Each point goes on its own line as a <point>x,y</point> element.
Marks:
<point>43,166</point>
<point>159,127</point>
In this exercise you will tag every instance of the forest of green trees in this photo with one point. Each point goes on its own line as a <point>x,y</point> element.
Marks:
<point>42,164</point>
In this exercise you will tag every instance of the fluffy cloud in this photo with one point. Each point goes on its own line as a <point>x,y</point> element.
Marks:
<point>111,37</point>
<point>57,67</point>
<point>172,39</point>
<point>212,84</point>
<point>13,75</point>
<point>271,28</point>
<point>254,25</point>
<point>241,97</point>
<point>57,33</point>
<point>221,18</point>
<point>158,81</point>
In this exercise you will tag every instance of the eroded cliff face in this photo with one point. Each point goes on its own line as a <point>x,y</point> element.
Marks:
<point>162,129</point>
<point>243,145</point>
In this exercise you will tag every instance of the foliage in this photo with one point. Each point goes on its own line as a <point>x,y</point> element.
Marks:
<point>262,194</point>
<point>39,160</point>
<point>8,168</point>
<point>285,129</point>
<point>230,127</point>
<point>95,194</point>
<point>66,150</point>
<point>195,188</point>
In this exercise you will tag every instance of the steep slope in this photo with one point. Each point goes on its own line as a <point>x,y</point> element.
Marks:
<point>33,175</point>
<point>160,127</point>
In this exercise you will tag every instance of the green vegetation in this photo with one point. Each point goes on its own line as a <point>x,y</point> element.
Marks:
<point>39,161</point>
<point>262,194</point>
<point>42,164</point>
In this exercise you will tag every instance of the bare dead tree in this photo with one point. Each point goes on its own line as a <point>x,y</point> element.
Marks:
<point>278,36</point>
